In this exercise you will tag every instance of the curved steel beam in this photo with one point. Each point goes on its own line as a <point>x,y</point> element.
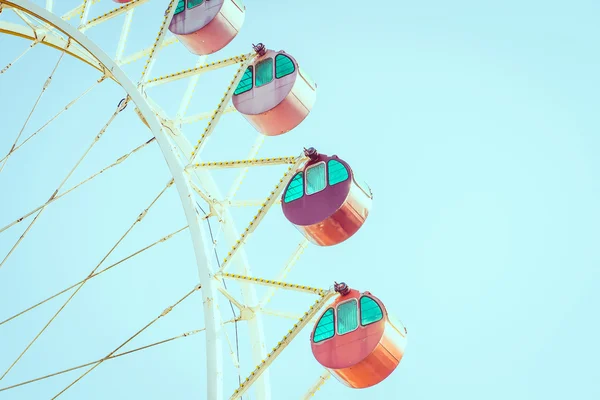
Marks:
<point>214,355</point>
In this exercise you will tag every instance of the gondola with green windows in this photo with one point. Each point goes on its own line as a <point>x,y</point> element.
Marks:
<point>274,94</point>
<point>325,201</point>
<point>356,339</point>
<point>207,26</point>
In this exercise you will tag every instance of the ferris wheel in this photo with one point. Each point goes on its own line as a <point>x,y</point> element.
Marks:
<point>353,336</point>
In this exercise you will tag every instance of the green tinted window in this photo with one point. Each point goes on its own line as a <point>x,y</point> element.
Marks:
<point>295,190</point>
<point>180,6</point>
<point>347,320</point>
<point>315,178</point>
<point>325,327</point>
<point>246,82</point>
<point>264,72</point>
<point>337,172</point>
<point>370,311</point>
<point>283,66</point>
<point>194,3</point>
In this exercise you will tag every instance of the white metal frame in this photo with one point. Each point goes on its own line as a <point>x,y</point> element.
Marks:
<point>190,176</point>
<point>214,358</point>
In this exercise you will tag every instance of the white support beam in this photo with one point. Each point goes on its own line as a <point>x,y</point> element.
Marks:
<point>286,269</point>
<point>317,385</point>
<point>260,215</point>
<point>278,349</point>
<point>54,41</point>
<point>275,284</point>
<point>260,139</point>
<point>199,69</point>
<point>228,296</point>
<point>262,389</point>
<point>214,120</point>
<point>49,5</point>
<point>206,115</point>
<point>255,162</point>
<point>85,12</point>
<point>212,316</point>
<point>115,12</point>
<point>25,18</point>
<point>189,92</point>
<point>76,11</point>
<point>142,53</point>
<point>124,35</point>
<point>156,47</point>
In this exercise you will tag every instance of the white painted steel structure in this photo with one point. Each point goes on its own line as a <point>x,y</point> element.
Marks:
<point>190,176</point>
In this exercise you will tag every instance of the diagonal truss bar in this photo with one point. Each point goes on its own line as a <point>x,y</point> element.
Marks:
<point>23,16</point>
<point>124,35</point>
<point>278,349</point>
<point>214,119</point>
<point>206,115</point>
<point>76,11</point>
<point>112,14</point>
<point>58,196</point>
<point>65,108</point>
<point>189,91</point>
<point>120,108</point>
<point>97,363</point>
<point>260,139</point>
<point>157,43</point>
<point>221,288</point>
<point>142,53</point>
<point>275,284</point>
<point>85,12</point>
<point>269,201</point>
<point>317,385</point>
<point>198,70</point>
<point>161,240</point>
<point>138,219</point>
<point>286,269</point>
<point>256,162</point>
<point>206,197</point>
<point>52,40</point>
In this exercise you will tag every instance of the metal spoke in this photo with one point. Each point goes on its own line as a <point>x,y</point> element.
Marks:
<point>120,108</point>
<point>161,240</point>
<point>65,108</point>
<point>44,88</point>
<point>317,385</point>
<point>139,218</point>
<point>58,196</point>
<point>10,64</point>
<point>186,334</point>
<point>97,363</point>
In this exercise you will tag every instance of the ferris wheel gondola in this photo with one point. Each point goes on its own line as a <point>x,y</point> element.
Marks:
<point>207,26</point>
<point>356,340</point>
<point>274,95</point>
<point>325,201</point>
<point>320,194</point>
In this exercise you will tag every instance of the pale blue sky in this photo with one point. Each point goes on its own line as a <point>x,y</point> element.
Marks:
<point>475,124</point>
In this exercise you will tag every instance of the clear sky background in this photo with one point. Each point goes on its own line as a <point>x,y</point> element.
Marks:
<point>475,124</point>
